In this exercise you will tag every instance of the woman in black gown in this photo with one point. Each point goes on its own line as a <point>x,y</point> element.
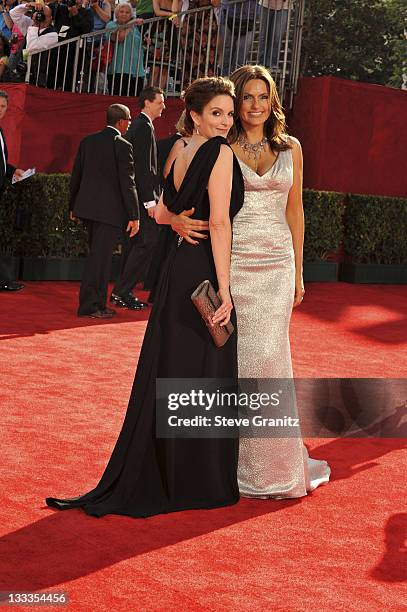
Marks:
<point>147,475</point>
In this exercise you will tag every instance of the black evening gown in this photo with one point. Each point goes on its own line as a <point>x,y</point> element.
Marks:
<point>166,237</point>
<point>147,475</point>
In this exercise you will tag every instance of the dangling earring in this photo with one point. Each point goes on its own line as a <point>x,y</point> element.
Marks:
<point>197,130</point>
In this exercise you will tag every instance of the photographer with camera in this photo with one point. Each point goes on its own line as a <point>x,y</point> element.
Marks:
<point>34,19</point>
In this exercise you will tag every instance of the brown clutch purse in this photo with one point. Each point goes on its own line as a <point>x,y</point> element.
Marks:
<point>206,301</point>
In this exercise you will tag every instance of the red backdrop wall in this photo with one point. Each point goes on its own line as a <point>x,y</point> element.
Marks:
<point>353,134</point>
<point>43,128</point>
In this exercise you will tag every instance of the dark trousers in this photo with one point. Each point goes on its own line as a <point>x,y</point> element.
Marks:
<point>93,291</point>
<point>5,273</point>
<point>136,256</point>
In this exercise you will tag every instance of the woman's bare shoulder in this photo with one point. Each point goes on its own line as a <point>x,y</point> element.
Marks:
<point>225,153</point>
<point>294,142</point>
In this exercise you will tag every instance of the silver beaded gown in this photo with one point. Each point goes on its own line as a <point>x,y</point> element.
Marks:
<point>262,285</point>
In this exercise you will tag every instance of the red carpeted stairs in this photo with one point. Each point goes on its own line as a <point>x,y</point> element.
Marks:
<point>65,386</point>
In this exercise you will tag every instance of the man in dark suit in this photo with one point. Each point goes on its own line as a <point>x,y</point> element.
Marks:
<point>103,194</point>
<point>6,171</point>
<point>137,252</point>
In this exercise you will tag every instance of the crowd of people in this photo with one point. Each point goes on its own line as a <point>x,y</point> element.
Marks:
<point>187,40</point>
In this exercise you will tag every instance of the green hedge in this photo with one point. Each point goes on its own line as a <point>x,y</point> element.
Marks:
<point>43,201</point>
<point>371,228</point>
<point>375,229</point>
<point>323,212</point>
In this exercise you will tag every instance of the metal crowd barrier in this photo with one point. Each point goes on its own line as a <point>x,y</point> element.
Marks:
<point>171,53</point>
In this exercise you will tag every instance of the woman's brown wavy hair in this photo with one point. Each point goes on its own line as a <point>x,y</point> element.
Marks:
<point>275,127</point>
<point>200,93</point>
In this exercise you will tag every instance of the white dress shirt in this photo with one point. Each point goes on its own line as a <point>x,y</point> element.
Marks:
<point>3,155</point>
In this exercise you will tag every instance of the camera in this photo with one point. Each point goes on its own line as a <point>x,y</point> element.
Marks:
<point>39,16</point>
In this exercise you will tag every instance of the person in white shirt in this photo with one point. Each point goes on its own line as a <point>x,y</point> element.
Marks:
<point>40,36</point>
<point>38,29</point>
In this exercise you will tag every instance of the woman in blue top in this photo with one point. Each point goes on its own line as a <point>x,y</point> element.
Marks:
<point>125,72</point>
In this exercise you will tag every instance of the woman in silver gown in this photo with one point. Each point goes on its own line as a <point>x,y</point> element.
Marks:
<point>266,277</point>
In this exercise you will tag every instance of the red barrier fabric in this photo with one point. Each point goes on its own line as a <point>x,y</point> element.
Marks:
<point>353,135</point>
<point>43,128</point>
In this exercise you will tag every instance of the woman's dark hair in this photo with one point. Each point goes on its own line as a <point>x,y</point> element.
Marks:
<point>6,45</point>
<point>275,127</point>
<point>200,93</point>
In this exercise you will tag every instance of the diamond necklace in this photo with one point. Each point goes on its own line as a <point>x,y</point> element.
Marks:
<point>253,151</point>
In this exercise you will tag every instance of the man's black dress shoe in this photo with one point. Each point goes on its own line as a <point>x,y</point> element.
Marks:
<point>109,311</point>
<point>11,286</point>
<point>142,304</point>
<point>98,314</point>
<point>127,301</point>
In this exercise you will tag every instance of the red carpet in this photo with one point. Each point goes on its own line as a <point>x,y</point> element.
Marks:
<point>65,385</point>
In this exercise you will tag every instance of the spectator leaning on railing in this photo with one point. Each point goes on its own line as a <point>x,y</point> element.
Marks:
<point>126,68</point>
